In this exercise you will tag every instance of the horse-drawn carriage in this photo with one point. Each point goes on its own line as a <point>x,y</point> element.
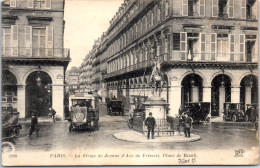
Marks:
<point>198,111</point>
<point>115,107</point>
<point>137,111</point>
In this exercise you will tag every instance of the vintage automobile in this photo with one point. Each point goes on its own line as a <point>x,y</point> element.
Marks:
<point>234,112</point>
<point>252,112</point>
<point>10,130</point>
<point>198,111</point>
<point>115,107</point>
<point>137,111</point>
<point>84,113</point>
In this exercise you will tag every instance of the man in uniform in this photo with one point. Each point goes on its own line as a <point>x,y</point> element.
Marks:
<point>150,123</point>
<point>187,121</point>
<point>34,125</point>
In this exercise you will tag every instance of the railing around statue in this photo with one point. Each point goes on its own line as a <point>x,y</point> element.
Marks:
<point>162,128</point>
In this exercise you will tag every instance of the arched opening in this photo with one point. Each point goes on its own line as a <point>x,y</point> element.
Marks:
<point>220,93</point>
<point>249,90</point>
<point>9,92</point>
<point>38,93</point>
<point>191,89</point>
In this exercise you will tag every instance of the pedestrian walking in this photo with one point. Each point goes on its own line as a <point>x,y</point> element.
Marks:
<point>34,125</point>
<point>52,113</point>
<point>150,123</point>
<point>178,123</point>
<point>187,121</point>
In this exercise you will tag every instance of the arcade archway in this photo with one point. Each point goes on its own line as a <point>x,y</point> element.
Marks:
<point>249,90</point>
<point>191,89</point>
<point>220,93</point>
<point>38,93</point>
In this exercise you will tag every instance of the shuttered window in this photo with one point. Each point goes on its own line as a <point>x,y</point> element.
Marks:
<point>214,8</point>
<point>243,9</point>
<point>28,40</point>
<point>12,3</point>
<point>202,7</point>
<point>232,47</point>
<point>183,45</point>
<point>14,39</point>
<point>184,7</point>
<point>48,4</point>
<point>166,8</point>
<point>49,41</point>
<point>231,8</point>
<point>203,45</point>
<point>242,46</point>
<point>6,41</point>
<point>213,45</point>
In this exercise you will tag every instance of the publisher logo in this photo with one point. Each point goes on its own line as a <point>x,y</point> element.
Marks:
<point>239,153</point>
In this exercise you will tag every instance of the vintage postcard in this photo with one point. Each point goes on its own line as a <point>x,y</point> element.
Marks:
<point>129,82</point>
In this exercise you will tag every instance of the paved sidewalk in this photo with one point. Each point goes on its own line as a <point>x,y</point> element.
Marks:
<point>133,136</point>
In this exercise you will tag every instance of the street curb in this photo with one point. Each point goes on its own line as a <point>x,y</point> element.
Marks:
<point>133,136</point>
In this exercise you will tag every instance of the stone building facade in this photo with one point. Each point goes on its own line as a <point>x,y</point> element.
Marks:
<point>207,50</point>
<point>33,57</point>
<point>85,77</point>
<point>72,80</point>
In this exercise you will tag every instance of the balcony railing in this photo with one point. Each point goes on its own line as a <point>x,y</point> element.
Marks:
<point>251,16</point>
<point>36,53</point>
<point>196,57</point>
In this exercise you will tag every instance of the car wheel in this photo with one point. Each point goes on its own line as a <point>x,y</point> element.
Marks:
<point>7,147</point>
<point>234,118</point>
<point>246,118</point>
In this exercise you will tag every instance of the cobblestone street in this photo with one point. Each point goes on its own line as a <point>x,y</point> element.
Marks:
<point>219,135</point>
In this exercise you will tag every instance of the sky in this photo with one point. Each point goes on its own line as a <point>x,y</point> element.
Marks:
<point>85,21</point>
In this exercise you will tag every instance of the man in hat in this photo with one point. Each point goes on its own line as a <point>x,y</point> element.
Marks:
<point>150,123</point>
<point>34,125</point>
<point>187,121</point>
<point>52,113</point>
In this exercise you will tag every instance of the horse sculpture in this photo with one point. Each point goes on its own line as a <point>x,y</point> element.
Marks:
<point>156,78</point>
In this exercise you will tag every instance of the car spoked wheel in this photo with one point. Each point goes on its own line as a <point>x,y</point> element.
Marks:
<point>7,147</point>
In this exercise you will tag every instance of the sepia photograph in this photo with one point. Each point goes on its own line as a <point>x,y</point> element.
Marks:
<point>129,82</point>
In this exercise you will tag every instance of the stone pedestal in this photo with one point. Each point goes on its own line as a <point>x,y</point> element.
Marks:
<point>157,106</point>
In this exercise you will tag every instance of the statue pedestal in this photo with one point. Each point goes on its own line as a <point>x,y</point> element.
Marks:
<point>157,106</point>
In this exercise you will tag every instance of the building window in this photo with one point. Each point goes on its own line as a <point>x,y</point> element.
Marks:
<point>6,41</point>
<point>39,4</point>
<point>176,41</point>
<point>251,9</point>
<point>223,8</point>
<point>222,47</point>
<point>39,40</point>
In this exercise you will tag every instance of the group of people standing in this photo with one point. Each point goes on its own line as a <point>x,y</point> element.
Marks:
<point>183,120</point>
